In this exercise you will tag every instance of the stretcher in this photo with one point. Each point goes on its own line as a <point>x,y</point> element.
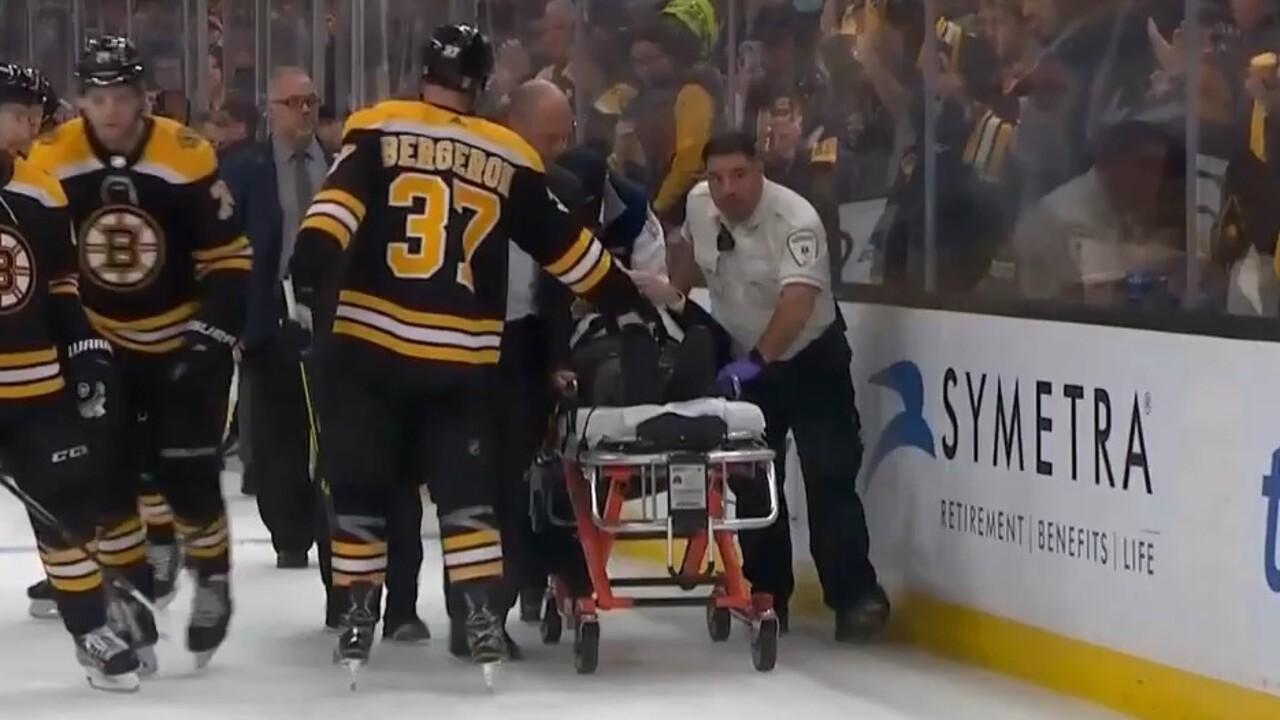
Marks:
<point>656,473</point>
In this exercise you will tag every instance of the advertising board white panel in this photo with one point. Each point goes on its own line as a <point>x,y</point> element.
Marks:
<point>1103,484</point>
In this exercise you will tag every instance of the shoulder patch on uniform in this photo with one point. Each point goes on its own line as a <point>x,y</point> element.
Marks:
<point>803,246</point>
<point>187,138</point>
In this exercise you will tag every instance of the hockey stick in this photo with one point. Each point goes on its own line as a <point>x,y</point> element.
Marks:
<point>313,420</point>
<point>42,515</point>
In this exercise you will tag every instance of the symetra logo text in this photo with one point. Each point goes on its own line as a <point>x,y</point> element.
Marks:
<point>1271,492</point>
<point>1005,422</point>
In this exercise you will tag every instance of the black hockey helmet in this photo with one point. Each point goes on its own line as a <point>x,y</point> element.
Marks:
<point>44,94</point>
<point>458,57</point>
<point>109,60</point>
<point>50,103</point>
<point>15,86</point>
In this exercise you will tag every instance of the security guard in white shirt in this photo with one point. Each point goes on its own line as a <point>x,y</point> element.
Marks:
<point>763,252</point>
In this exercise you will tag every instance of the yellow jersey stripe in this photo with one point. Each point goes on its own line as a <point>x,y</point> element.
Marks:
<point>572,255</point>
<point>24,359</point>
<point>240,264</point>
<point>159,334</point>
<point>418,351</point>
<point>414,317</point>
<point>27,391</point>
<point>236,247</point>
<point>178,314</point>
<point>594,277</point>
<point>343,198</point>
<point>329,226</point>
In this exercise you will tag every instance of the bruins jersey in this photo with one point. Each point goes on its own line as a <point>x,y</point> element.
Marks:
<point>40,311</point>
<point>1249,216</point>
<point>159,250</point>
<point>419,206</point>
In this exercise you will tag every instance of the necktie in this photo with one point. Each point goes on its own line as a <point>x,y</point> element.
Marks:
<point>304,193</point>
<point>302,180</point>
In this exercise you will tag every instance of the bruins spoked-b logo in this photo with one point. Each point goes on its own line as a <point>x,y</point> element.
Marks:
<point>17,271</point>
<point>121,248</point>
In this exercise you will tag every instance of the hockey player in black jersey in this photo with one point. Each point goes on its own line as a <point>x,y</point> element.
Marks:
<point>50,359</point>
<point>31,96</point>
<point>164,270</point>
<point>410,233</point>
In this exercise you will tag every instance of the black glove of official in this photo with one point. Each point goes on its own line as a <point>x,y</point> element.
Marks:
<point>295,335</point>
<point>204,350</point>
<point>92,376</point>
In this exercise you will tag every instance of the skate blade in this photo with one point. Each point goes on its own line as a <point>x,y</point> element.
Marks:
<point>353,667</point>
<point>43,610</point>
<point>491,671</point>
<point>123,683</point>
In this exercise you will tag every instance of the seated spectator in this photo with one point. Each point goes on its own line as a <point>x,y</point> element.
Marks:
<point>1115,234</point>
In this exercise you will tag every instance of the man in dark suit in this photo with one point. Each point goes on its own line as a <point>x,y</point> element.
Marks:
<point>273,420</point>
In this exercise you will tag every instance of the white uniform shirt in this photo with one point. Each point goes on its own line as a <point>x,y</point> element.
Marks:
<point>783,242</point>
<point>522,278</point>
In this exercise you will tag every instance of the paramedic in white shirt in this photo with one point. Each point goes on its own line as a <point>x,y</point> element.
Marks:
<point>762,251</point>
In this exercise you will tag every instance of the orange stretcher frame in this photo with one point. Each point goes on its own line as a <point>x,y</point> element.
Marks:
<point>730,596</point>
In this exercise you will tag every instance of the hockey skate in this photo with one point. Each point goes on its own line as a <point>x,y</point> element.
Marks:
<point>166,564</point>
<point>132,623</point>
<point>109,664</point>
<point>355,643</point>
<point>42,605</point>
<point>210,616</point>
<point>486,637</point>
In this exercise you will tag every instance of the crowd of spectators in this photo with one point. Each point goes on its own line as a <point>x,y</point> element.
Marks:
<point>1063,133</point>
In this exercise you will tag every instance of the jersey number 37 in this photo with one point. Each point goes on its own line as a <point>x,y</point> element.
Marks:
<point>422,254</point>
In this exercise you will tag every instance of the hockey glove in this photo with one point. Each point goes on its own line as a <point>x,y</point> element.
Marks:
<point>204,350</point>
<point>295,335</point>
<point>92,376</point>
<point>294,339</point>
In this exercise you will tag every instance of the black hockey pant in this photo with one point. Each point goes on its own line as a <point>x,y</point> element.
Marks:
<point>377,435</point>
<point>49,450</point>
<point>168,438</point>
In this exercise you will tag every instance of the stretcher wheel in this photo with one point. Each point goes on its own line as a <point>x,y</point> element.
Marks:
<point>552,624</point>
<point>764,644</point>
<point>586,647</point>
<point>719,623</point>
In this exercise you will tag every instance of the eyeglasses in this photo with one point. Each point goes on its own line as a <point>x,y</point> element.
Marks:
<point>299,102</point>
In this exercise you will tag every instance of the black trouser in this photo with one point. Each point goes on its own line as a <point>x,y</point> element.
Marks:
<point>380,437</point>
<point>53,456</point>
<point>276,445</point>
<point>811,396</point>
<point>169,437</point>
<point>523,404</point>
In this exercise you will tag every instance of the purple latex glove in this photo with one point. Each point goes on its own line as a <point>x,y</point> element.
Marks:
<point>738,373</point>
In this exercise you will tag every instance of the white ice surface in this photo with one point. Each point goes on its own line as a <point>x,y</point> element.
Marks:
<point>656,664</point>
